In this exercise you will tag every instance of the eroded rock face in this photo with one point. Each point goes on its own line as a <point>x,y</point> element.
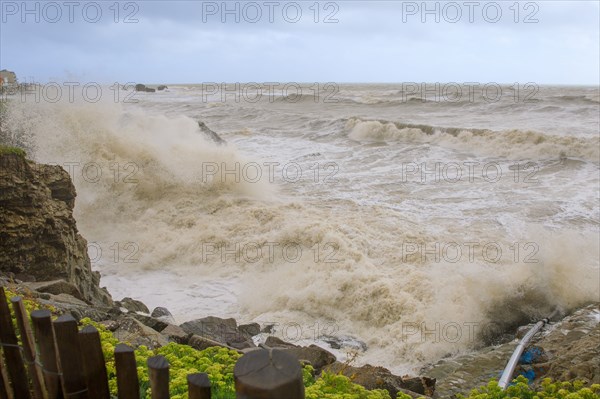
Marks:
<point>566,350</point>
<point>39,236</point>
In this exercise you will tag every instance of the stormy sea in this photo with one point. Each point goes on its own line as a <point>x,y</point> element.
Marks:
<point>403,223</point>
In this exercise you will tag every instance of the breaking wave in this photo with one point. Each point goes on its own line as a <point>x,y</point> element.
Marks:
<point>511,144</point>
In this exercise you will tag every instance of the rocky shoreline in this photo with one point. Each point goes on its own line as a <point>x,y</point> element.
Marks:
<point>43,256</point>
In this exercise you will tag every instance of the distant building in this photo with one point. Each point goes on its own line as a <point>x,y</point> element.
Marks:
<point>7,77</point>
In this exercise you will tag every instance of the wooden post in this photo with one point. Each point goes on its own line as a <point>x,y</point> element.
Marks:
<point>158,370</point>
<point>69,357</point>
<point>93,363</point>
<point>3,380</point>
<point>198,386</point>
<point>128,385</point>
<point>12,352</point>
<point>44,336</point>
<point>268,374</point>
<point>35,373</point>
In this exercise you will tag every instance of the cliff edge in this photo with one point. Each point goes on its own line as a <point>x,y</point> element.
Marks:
<point>39,240</point>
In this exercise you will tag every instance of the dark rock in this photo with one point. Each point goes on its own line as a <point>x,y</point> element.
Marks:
<point>212,135</point>
<point>163,314</point>
<point>28,278</point>
<point>155,324</point>
<point>39,235</point>
<point>268,329</point>
<point>201,343</point>
<point>111,325</point>
<point>162,87</point>
<point>221,330</point>
<point>372,377</point>
<point>141,87</point>
<point>133,305</point>
<point>65,303</point>
<point>211,327</point>
<point>249,330</point>
<point>176,334</point>
<point>346,342</point>
<point>315,355</point>
<point>274,342</point>
<point>56,287</point>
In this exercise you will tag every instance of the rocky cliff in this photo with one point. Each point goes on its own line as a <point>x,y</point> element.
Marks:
<point>39,240</point>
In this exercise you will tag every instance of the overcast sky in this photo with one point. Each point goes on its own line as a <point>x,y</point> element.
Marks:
<point>546,42</point>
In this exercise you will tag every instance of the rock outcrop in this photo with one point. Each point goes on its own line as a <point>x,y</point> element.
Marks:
<point>566,350</point>
<point>39,240</point>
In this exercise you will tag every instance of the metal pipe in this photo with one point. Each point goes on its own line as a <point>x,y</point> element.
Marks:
<point>514,359</point>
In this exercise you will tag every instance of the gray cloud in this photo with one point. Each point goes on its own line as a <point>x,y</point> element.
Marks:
<point>372,41</point>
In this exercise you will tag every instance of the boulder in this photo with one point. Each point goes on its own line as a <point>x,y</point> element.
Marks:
<point>211,327</point>
<point>210,134</point>
<point>315,355</point>
<point>249,330</point>
<point>161,87</point>
<point>56,287</point>
<point>163,314</point>
<point>135,333</point>
<point>176,334</point>
<point>39,235</point>
<point>372,377</point>
<point>220,330</point>
<point>155,324</point>
<point>201,343</point>
<point>274,342</point>
<point>133,305</point>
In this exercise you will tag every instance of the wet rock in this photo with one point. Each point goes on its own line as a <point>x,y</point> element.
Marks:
<point>141,87</point>
<point>346,342</point>
<point>569,350</point>
<point>268,329</point>
<point>209,133</point>
<point>163,314</point>
<point>161,87</point>
<point>249,330</point>
<point>132,305</point>
<point>572,347</point>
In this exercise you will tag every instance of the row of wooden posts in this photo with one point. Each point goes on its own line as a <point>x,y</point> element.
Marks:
<point>57,361</point>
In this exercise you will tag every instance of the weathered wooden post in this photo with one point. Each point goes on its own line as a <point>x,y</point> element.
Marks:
<point>44,336</point>
<point>93,363</point>
<point>35,373</point>
<point>12,352</point>
<point>198,386</point>
<point>69,357</point>
<point>268,374</point>
<point>128,385</point>
<point>158,370</point>
<point>3,381</point>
